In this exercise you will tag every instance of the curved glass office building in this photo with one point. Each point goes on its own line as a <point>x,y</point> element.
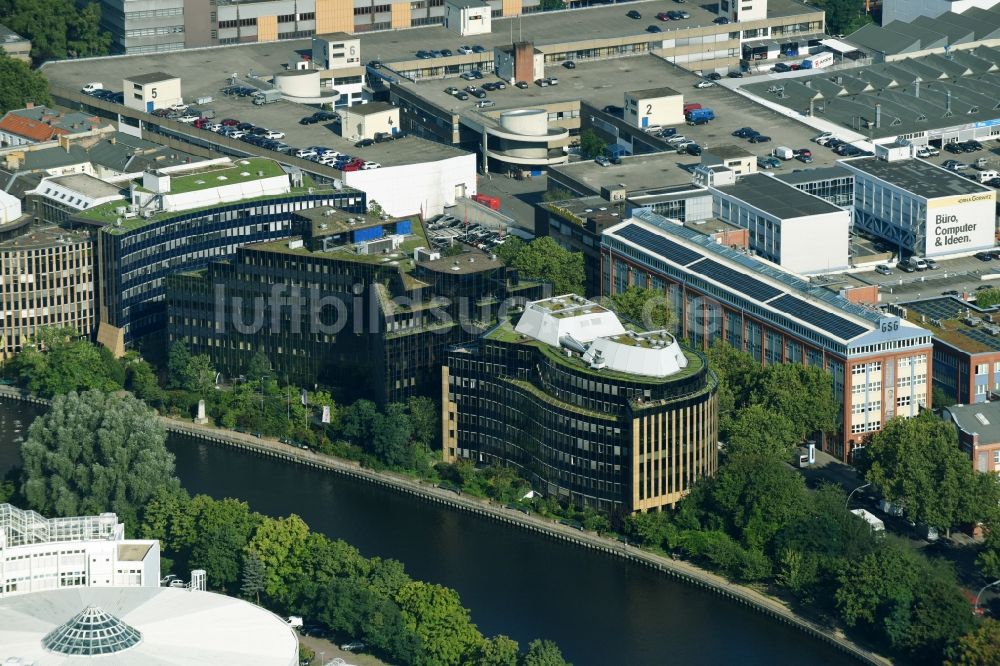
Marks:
<point>593,412</point>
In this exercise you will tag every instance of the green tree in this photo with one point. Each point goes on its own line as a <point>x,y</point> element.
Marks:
<point>650,307</point>
<point>803,394</point>
<point>978,648</point>
<point>557,194</point>
<point>737,372</point>
<point>57,28</point>
<point>498,651</point>
<point>591,144</point>
<point>435,614</point>
<point>141,380</point>
<point>254,571</point>
<point>199,375</point>
<point>870,584</point>
<point>178,359</point>
<point>19,84</point>
<point>258,366</point>
<point>758,431</point>
<point>94,452</point>
<point>843,16</point>
<point>650,529</point>
<point>544,259</point>
<point>988,297</point>
<point>756,498</point>
<point>59,361</point>
<point>223,529</point>
<point>551,5</point>
<point>543,653</point>
<point>424,420</point>
<point>281,544</point>
<point>916,463</point>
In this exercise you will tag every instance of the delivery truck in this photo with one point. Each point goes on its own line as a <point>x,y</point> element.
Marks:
<point>818,61</point>
<point>266,97</point>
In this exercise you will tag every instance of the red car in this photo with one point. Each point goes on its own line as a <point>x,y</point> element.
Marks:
<point>351,166</point>
<point>229,122</point>
<point>663,16</point>
<point>805,152</point>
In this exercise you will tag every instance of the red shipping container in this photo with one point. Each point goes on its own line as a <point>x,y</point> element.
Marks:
<point>488,201</point>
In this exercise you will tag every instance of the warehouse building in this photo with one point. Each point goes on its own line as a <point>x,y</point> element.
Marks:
<point>927,31</point>
<point>833,184</point>
<point>932,98</point>
<point>922,209</point>
<point>591,411</point>
<point>880,363</point>
<point>795,230</point>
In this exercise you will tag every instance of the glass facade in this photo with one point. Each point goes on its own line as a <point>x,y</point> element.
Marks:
<point>612,442</point>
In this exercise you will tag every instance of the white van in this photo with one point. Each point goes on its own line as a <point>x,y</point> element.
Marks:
<point>92,87</point>
<point>987,175</point>
<point>783,152</point>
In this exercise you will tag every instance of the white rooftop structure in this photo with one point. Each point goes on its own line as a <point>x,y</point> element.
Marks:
<point>591,330</point>
<point>159,626</point>
<point>10,207</point>
<point>38,553</point>
<point>78,191</point>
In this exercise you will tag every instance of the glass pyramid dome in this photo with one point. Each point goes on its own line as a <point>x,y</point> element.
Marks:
<point>91,632</point>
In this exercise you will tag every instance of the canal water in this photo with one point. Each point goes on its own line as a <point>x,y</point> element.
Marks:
<point>600,610</point>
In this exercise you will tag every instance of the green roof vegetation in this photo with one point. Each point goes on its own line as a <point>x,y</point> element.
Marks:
<point>107,213</point>
<point>563,213</point>
<point>255,168</point>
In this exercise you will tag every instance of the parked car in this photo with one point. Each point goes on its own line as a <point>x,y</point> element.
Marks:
<point>663,16</point>
<point>704,83</point>
<point>465,50</point>
<point>745,132</point>
<point>713,76</point>
<point>883,269</point>
<point>653,28</point>
<point>364,143</point>
<point>569,64</point>
<point>478,49</point>
<point>274,134</point>
<point>984,256</point>
<point>521,84</point>
<point>722,20</point>
<point>352,646</point>
<point>759,138</point>
<point>485,103</point>
<point>768,162</point>
<point>308,120</point>
<point>462,96</point>
<point>693,149</point>
<point>633,14</point>
<point>735,75</point>
<point>602,161</point>
<point>305,153</point>
<point>451,90</point>
<point>805,159</point>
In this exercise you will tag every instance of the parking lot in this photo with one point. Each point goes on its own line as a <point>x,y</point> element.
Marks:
<point>443,231</point>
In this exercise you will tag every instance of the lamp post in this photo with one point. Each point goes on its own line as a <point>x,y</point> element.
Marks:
<point>849,496</point>
<point>975,609</point>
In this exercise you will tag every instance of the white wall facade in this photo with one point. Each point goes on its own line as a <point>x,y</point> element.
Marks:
<point>149,96</point>
<point>428,186</point>
<point>468,20</point>
<point>642,111</point>
<point>907,10</point>
<point>806,245</point>
<point>960,225</point>
<point>367,125</point>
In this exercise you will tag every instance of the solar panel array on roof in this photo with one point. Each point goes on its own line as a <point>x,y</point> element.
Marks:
<point>657,243</point>
<point>982,337</point>
<point>735,280</point>
<point>810,314</point>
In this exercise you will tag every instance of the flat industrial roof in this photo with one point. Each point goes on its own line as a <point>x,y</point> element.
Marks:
<point>776,197</point>
<point>153,77</point>
<point>640,172</point>
<point>800,176</point>
<point>369,108</point>
<point>729,151</point>
<point>88,185</point>
<point>894,98</point>
<point>917,176</point>
<point>38,237</point>
<point>649,93</point>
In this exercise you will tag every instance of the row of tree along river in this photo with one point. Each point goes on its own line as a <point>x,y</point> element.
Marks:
<point>600,610</point>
